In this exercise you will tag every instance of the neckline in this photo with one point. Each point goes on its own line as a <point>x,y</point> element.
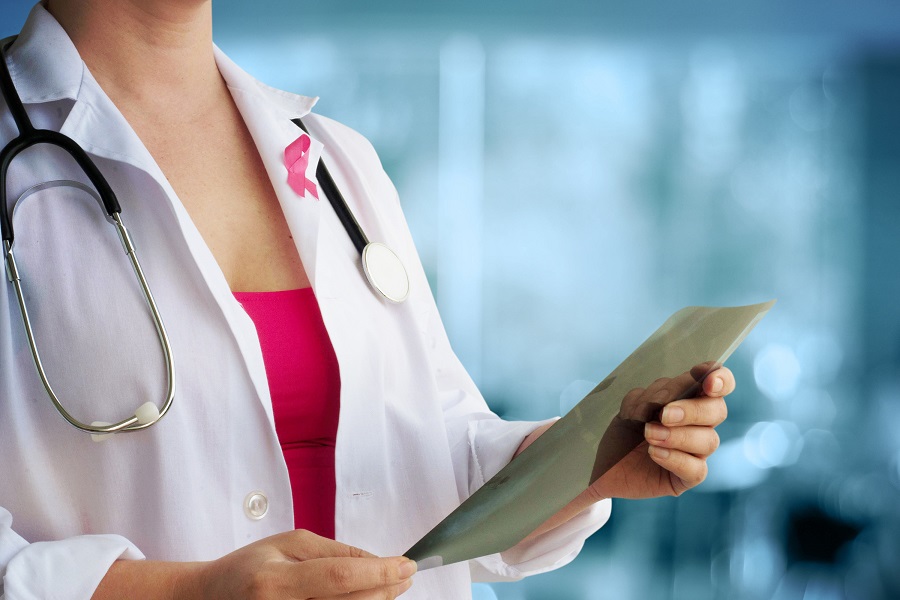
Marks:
<point>299,292</point>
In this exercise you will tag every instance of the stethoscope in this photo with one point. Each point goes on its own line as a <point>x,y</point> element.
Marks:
<point>382,268</point>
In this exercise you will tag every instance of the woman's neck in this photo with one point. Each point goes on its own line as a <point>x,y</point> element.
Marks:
<point>146,54</point>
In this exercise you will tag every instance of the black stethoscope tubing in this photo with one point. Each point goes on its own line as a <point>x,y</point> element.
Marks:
<point>30,136</point>
<point>337,201</point>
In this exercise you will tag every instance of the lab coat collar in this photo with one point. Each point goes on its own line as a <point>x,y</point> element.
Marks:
<point>44,63</point>
<point>292,105</point>
<point>45,67</point>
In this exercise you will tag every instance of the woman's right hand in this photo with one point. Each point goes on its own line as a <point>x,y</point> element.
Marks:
<point>302,565</point>
<point>296,565</point>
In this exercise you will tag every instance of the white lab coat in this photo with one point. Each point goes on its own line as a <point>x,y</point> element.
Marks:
<point>415,436</point>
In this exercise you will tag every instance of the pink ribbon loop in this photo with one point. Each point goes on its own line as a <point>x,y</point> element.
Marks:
<point>296,159</point>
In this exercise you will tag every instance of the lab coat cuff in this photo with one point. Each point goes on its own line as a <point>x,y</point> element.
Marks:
<point>492,444</point>
<point>69,569</point>
<point>550,550</point>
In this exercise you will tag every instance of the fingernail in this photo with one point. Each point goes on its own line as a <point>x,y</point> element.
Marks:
<point>718,384</point>
<point>672,414</point>
<point>656,432</point>
<point>407,569</point>
<point>657,452</point>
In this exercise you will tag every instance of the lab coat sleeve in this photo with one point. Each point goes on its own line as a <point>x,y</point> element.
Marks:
<point>69,569</point>
<point>480,442</point>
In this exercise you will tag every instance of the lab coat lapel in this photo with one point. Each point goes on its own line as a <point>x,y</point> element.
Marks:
<point>97,126</point>
<point>267,114</point>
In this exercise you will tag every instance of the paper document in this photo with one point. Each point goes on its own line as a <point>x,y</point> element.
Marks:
<point>598,432</point>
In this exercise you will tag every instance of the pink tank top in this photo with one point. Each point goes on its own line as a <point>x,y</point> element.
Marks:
<point>305,385</point>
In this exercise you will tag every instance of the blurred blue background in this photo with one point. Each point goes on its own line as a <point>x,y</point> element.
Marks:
<point>574,172</point>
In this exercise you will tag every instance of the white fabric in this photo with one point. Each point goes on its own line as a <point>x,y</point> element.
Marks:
<point>415,436</point>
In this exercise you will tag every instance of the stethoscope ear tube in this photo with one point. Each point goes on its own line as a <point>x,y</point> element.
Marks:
<point>52,138</point>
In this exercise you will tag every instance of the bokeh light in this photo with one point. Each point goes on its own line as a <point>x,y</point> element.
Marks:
<point>773,444</point>
<point>777,371</point>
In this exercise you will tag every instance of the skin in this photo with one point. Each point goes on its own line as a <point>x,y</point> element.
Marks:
<point>154,58</point>
<point>672,457</point>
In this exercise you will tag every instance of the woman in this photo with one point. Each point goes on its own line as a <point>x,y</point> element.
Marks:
<point>195,150</point>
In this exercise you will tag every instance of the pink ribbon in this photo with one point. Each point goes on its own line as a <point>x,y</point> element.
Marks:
<point>296,159</point>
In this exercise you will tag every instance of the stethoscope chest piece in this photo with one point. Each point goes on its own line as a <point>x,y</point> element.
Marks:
<point>385,272</point>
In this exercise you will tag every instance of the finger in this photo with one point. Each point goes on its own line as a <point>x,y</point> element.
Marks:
<point>333,576</point>
<point>666,389</point>
<point>695,411</point>
<point>632,397</point>
<point>306,545</point>
<point>643,404</point>
<point>685,470</point>
<point>657,385</point>
<point>386,593</point>
<point>719,383</point>
<point>703,369</point>
<point>693,439</point>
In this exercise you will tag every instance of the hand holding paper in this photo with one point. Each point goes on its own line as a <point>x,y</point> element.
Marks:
<point>602,440</point>
<point>677,441</point>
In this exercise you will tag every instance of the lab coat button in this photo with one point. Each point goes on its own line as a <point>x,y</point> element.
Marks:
<point>256,505</point>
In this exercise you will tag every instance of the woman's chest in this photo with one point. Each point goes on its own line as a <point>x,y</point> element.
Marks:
<point>218,176</point>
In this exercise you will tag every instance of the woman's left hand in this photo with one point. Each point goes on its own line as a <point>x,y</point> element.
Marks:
<point>672,457</point>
